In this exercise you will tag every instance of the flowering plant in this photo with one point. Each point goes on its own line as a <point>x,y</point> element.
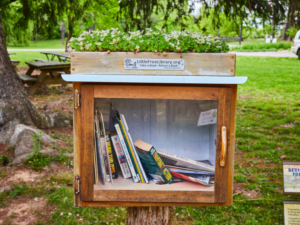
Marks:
<point>148,41</point>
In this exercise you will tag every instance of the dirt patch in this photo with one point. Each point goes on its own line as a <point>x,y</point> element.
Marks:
<point>254,194</point>
<point>22,174</point>
<point>23,69</point>
<point>25,211</point>
<point>288,124</point>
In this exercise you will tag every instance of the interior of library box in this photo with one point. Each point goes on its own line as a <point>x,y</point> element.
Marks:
<point>174,117</point>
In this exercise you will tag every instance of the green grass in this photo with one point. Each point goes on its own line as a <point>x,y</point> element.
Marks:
<point>46,44</point>
<point>24,56</point>
<point>266,102</point>
<point>263,47</point>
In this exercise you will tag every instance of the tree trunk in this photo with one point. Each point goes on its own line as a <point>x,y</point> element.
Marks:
<point>15,107</point>
<point>284,36</point>
<point>148,215</point>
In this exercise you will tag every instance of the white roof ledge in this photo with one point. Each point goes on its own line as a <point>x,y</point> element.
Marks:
<point>102,78</point>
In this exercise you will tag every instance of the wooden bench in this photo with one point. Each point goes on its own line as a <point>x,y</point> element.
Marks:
<point>26,79</point>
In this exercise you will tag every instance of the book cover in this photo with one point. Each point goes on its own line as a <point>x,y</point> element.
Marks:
<point>143,174</point>
<point>124,147</point>
<point>101,167</point>
<point>204,180</point>
<point>176,160</point>
<point>152,163</point>
<point>120,155</point>
<point>112,162</point>
<point>130,148</point>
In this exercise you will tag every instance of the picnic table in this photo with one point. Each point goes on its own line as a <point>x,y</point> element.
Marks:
<point>62,57</point>
<point>50,74</point>
<point>15,63</point>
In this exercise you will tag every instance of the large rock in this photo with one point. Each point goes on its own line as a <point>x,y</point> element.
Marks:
<point>23,140</point>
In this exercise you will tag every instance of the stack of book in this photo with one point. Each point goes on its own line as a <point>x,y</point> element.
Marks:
<point>138,160</point>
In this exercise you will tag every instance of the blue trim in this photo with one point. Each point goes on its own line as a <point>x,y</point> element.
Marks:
<point>153,79</point>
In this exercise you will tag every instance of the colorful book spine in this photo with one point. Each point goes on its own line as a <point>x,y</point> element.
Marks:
<point>120,155</point>
<point>139,165</point>
<point>134,162</point>
<point>124,147</point>
<point>111,157</point>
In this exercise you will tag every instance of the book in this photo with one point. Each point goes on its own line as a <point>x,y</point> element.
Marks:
<point>190,172</point>
<point>130,142</point>
<point>101,167</point>
<point>175,160</point>
<point>204,180</point>
<point>104,149</point>
<point>126,153</point>
<point>152,163</point>
<point>120,155</point>
<point>112,161</point>
<point>122,122</point>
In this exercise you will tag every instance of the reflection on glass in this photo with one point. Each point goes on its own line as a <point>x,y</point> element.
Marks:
<point>187,128</point>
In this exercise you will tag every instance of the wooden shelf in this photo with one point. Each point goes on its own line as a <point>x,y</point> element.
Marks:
<point>128,184</point>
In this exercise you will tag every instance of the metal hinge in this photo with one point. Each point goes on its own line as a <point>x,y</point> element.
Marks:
<point>76,99</point>
<point>77,185</point>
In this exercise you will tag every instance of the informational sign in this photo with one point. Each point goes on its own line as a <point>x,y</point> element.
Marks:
<point>291,211</point>
<point>291,178</point>
<point>208,117</point>
<point>153,64</point>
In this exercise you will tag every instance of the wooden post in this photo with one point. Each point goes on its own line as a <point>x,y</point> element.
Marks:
<point>148,215</point>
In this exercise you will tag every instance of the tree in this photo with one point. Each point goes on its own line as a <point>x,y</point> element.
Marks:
<point>15,107</point>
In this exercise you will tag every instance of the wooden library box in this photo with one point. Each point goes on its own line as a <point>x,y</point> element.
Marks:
<point>130,109</point>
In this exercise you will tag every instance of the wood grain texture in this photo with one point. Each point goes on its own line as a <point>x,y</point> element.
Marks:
<point>221,174</point>
<point>154,196</point>
<point>229,164</point>
<point>76,141</point>
<point>156,92</point>
<point>207,64</point>
<point>87,142</point>
<point>148,215</point>
<point>231,146</point>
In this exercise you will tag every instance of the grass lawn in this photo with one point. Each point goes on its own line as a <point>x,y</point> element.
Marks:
<point>46,44</point>
<point>268,126</point>
<point>24,56</point>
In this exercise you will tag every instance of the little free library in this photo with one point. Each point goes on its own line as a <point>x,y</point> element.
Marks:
<point>153,128</point>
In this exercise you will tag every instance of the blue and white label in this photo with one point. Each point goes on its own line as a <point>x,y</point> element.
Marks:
<point>153,64</point>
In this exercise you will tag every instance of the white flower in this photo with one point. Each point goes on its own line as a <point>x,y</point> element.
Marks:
<point>61,213</point>
<point>137,47</point>
<point>69,214</point>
